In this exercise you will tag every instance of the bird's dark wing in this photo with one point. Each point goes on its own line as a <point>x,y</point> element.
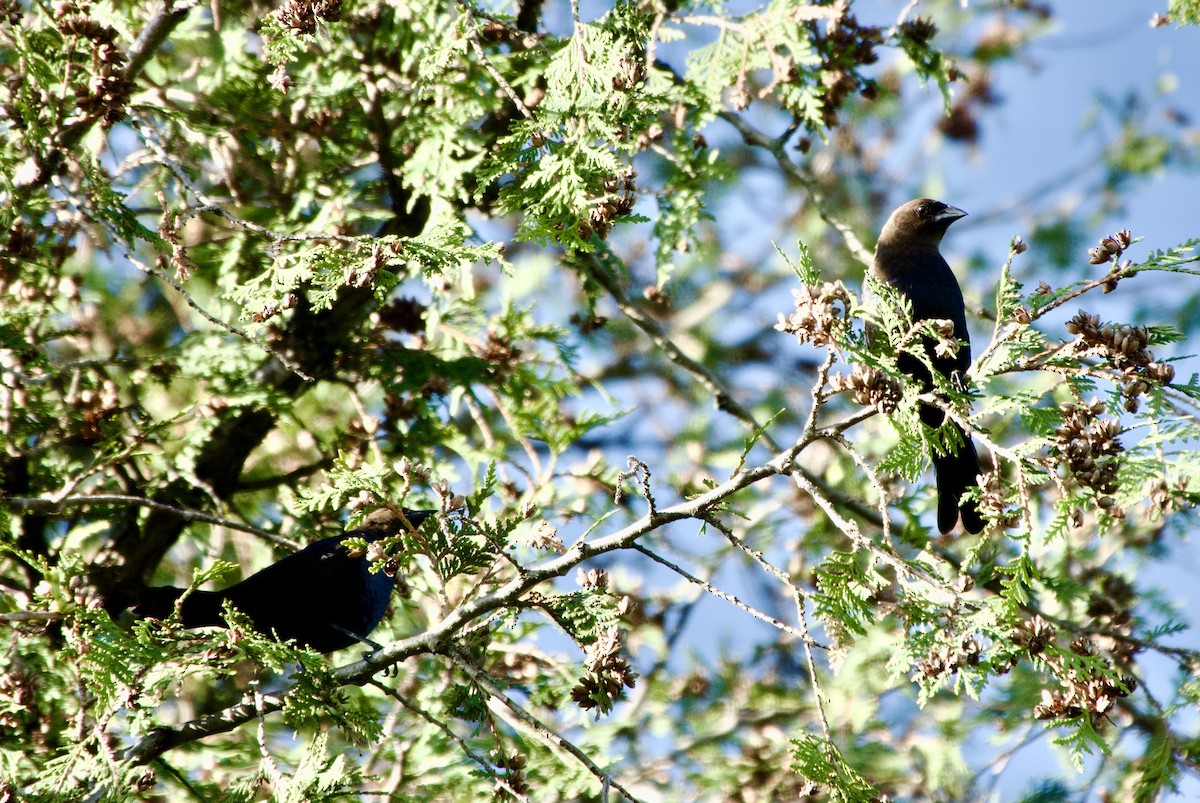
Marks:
<point>933,292</point>
<point>321,596</point>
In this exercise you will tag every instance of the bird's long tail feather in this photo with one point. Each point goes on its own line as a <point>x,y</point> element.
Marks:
<point>199,609</point>
<point>956,473</point>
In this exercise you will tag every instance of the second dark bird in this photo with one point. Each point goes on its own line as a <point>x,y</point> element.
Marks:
<point>907,258</point>
<point>323,596</point>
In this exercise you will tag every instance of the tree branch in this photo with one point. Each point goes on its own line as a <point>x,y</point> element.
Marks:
<point>439,637</point>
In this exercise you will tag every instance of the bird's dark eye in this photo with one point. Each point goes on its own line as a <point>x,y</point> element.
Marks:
<point>923,211</point>
<point>391,567</point>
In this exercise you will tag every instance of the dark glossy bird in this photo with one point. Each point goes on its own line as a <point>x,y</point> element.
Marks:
<point>324,596</point>
<point>907,258</point>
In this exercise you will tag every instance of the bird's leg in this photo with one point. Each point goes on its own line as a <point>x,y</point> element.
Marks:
<point>375,647</point>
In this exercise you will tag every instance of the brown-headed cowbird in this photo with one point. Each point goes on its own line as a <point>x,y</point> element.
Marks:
<point>324,596</point>
<point>907,259</point>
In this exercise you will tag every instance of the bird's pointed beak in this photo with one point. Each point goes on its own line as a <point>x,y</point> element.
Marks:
<point>950,213</point>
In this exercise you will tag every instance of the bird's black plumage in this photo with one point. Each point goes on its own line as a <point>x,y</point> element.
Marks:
<point>323,596</point>
<point>908,259</point>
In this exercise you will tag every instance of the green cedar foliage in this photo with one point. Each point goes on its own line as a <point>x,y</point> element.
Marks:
<point>264,270</point>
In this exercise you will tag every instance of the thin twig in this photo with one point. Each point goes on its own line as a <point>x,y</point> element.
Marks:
<point>901,17</point>
<point>149,134</point>
<point>818,695</point>
<point>873,478</point>
<point>268,762</point>
<point>483,765</point>
<point>33,616</point>
<point>539,729</point>
<point>718,593</point>
<point>284,360</point>
<point>753,136</point>
<point>472,30</point>
<point>88,500</point>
